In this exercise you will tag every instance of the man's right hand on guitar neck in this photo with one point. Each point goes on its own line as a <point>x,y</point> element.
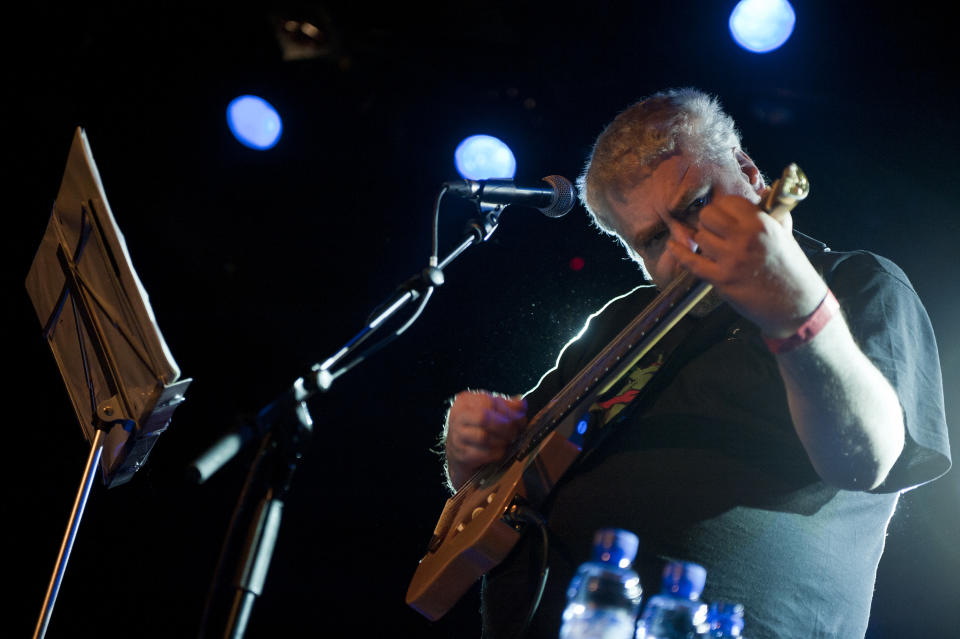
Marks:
<point>480,427</point>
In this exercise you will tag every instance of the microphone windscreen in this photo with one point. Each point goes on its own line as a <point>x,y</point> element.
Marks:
<point>566,196</point>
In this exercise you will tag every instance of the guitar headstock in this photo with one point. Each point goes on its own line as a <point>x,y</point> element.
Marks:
<point>786,192</point>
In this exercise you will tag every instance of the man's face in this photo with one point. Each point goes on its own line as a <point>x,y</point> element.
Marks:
<point>667,201</point>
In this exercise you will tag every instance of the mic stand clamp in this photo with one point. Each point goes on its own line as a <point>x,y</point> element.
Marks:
<point>419,284</point>
<point>483,228</point>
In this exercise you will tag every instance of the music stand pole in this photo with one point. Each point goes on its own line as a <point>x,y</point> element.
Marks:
<point>86,484</point>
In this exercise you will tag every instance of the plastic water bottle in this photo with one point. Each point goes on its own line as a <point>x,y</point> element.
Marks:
<point>725,619</point>
<point>604,596</point>
<point>677,612</point>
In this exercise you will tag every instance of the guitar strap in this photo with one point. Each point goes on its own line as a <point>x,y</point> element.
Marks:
<point>640,387</point>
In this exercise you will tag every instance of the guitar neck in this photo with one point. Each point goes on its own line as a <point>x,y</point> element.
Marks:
<point>618,357</point>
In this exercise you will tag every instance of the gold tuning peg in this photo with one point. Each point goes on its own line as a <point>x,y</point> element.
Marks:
<point>786,192</point>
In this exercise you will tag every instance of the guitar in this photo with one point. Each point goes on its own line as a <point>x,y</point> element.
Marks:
<point>478,526</point>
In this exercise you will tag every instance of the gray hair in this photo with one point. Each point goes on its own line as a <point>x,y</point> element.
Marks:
<point>646,133</point>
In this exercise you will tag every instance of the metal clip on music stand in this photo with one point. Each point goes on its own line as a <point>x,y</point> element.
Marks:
<point>97,319</point>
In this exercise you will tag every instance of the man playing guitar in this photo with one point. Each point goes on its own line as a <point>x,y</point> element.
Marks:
<point>790,408</point>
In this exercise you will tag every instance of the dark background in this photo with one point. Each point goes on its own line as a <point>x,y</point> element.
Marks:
<point>259,264</point>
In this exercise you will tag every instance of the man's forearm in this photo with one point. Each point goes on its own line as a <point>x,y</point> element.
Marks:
<point>845,412</point>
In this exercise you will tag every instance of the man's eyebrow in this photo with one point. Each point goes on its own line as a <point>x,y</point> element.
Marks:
<point>677,210</point>
<point>685,199</point>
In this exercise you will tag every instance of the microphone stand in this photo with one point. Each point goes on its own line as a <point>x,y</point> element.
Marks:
<point>286,426</point>
<point>421,284</point>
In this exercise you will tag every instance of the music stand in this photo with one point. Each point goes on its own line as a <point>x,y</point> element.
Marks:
<point>122,381</point>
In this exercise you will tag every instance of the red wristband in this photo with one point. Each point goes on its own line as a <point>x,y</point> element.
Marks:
<point>809,329</point>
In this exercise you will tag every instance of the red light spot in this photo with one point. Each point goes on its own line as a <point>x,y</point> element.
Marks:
<point>576,264</point>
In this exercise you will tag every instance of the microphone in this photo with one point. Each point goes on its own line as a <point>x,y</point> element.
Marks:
<point>555,199</point>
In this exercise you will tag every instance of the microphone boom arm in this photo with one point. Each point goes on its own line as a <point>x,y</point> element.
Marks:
<point>321,375</point>
<point>421,284</point>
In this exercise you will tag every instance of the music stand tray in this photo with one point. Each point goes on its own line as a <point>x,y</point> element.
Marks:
<point>121,378</point>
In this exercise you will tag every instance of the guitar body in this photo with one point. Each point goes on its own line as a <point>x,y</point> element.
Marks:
<point>476,530</point>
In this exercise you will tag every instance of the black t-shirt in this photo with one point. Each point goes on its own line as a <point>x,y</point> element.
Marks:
<point>706,466</point>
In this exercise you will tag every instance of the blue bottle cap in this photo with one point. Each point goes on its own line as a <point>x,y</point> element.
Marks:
<point>615,546</point>
<point>727,617</point>
<point>684,579</point>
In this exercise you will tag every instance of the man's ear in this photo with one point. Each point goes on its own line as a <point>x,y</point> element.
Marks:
<point>749,170</point>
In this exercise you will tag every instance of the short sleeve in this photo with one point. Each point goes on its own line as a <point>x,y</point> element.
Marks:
<point>892,328</point>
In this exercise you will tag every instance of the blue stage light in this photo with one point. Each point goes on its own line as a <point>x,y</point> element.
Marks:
<point>482,157</point>
<point>762,25</point>
<point>254,122</point>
